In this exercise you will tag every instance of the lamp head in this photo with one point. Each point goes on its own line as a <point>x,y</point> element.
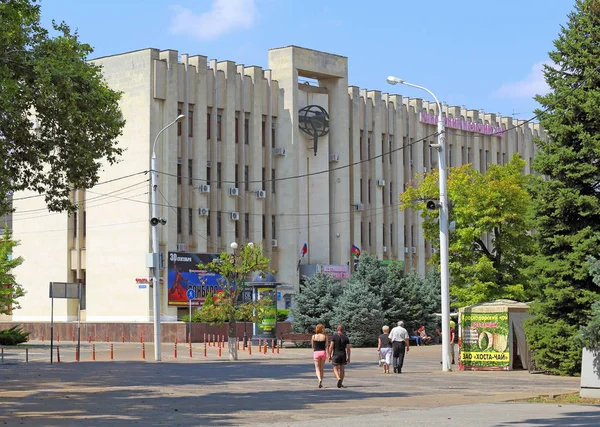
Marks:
<point>180,118</point>
<point>233,245</point>
<point>394,80</point>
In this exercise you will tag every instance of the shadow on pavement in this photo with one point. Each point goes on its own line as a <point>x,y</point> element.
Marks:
<point>575,419</point>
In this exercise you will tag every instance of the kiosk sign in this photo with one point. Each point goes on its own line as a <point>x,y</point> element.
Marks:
<point>485,341</point>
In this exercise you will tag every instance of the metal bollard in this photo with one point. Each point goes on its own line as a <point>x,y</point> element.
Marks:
<point>26,355</point>
<point>112,353</point>
<point>249,348</point>
<point>57,354</point>
<point>143,351</point>
<point>77,353</point>
<point>205,349</point>
<point>190,350</point>
<point>2,354</point>
<point>272,346</point>
<point>175,350</point>
<point>93,351</point>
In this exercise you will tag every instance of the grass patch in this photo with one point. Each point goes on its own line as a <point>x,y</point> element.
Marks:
<point>566,399</point>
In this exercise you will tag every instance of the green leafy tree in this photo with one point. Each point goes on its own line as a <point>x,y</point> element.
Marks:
<point>491,242</point>
<point>59,121</point>
<point>359,310</point>
<point>315,303</point>
<point>10,290</point>
<point>234,268</point>
<point>567,202</point>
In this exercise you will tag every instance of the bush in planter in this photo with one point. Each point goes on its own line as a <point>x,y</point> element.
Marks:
<point>13,336</point>
<point>282,314</point>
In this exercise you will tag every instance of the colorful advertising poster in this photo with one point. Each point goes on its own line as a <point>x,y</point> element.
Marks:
<point>484,341</point>
<point>183,274</point>
<point>266,329</point>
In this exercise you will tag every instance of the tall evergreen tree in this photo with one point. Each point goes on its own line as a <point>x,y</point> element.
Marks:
<point>359,310</point>
<point>567,208</point>
<point>422,298</point>
<point>394,307</point>
<point>371,272</point>
<point>315,303</point>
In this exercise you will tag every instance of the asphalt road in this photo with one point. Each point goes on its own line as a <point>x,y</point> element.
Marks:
<point>271,389</point>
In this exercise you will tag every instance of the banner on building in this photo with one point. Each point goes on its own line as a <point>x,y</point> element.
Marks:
<point>183,274</point>
<point>485,341</point>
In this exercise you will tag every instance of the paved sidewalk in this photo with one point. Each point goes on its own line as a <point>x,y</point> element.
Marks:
<point>262,389</point>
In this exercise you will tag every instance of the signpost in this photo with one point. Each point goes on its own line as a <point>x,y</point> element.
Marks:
<point>69,291</point>
<point>191,294</point>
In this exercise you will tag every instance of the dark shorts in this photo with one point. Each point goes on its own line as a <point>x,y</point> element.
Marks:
<point>339,358</point>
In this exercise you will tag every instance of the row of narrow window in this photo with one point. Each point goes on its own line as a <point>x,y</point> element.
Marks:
<point>219,181</point>
<point>219,215</point>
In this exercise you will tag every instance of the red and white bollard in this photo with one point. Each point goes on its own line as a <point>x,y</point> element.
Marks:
<point>175,350</point>
<point>93,351</point>
<point>112,355</point>
<point>143,351</point>
<point>57,354</point>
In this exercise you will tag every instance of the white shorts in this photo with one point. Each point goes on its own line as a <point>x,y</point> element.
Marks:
<point>386,353</point>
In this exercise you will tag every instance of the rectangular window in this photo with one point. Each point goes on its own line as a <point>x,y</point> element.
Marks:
<point>273,181</point>
<point>219,121</point>
<point>178,220</point>
<point>190,221</point>
<point>74,225</point>
<point>361,190</point>
<point>208,225</point>
<point>219,224</point>
<point>237,130</point>
<point>190,170</point>
<point>264,227</point>
<point>273,229</point>
<point>237,177</point>
<point>369,146</point>
<point>362,233</point>
<point>237,229</point>
<point>382,147</point>
<point>360,143</point>
<point>190,122</point>
<point>208,126</point>
<point>391,193</point>
<point>264,179</point>
<point>273,132</point>
<point>246,131</point>
<point>247,226</point>
<point>218,174</point>
<point>178,173</point>
<point>392,235</point>
<point>178,123</point>
<point>84,223</point>
<point>246,178</point>
<point>208,175</point>
<point>390,148</point>
<point>369,192</point>
<point>264,131</point>
<point>369,234</point>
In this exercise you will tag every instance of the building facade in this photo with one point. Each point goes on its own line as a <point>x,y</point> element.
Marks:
<point>239,168</point>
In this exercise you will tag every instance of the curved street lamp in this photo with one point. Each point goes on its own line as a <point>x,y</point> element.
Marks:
<point>445,272</point>
<point>154,221</point>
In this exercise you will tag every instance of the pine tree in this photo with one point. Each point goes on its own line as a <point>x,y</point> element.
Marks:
<point>359,310</point>
<point>422,298</point>
<point>567,202</point>
<point>394,307</point>
<point>315,302</point>
<point>371,272</point>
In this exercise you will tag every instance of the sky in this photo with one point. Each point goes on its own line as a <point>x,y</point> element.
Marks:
<point>481,54</point>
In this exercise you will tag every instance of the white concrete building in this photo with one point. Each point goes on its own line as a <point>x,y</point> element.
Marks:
<point>240,169</point>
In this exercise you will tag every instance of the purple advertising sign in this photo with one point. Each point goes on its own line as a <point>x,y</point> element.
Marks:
<point>452,123</point>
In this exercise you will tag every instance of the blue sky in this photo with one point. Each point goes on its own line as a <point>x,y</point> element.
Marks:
<point>481,54</point>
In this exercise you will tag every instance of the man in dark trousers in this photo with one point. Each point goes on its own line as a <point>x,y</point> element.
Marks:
<point>339,354</point>
<point>400,344</point>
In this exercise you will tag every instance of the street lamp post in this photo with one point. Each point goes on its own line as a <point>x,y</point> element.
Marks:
<point>154,221</point>
<point>444,273</point>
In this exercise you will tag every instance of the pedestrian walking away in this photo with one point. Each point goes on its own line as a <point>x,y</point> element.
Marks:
<point>384,347</point>
<point>339,354</point>
<point>400,345</point>
<point>319,345</point>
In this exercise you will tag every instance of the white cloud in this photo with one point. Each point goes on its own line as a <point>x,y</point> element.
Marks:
<point>531,85</point>
<point>223,17</point>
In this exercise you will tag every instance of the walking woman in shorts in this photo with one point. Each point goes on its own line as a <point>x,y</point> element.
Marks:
<point>319,345</point>
<point>384,347</point>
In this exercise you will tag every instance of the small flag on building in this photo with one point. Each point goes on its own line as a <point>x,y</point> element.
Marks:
<point>355,250</point>
<point>304,250</point>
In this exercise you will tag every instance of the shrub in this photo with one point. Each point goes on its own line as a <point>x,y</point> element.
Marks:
<point>282,314</point>
<point>13,336</point>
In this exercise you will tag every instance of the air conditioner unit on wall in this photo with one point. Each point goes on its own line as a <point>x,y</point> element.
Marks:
<point>405,250</point>
<point>179,160</point>
<point>234,192</point>
<point>279,151</point>
<point>359,207</point>
<point>204,188</point>
<point>334,157</point>
<point>181,247</point>
<point>203,211</point>
<point>385,249</point>
<point>381,182</point>
<point>414,250</point>
<point>261,194</point>
<point>234,216</point>
<point>274,243</point>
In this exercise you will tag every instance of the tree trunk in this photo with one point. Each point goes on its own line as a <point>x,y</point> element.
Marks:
<point>233,354</point>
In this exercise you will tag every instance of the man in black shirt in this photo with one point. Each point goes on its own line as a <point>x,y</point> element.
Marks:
<point>339,354</point>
